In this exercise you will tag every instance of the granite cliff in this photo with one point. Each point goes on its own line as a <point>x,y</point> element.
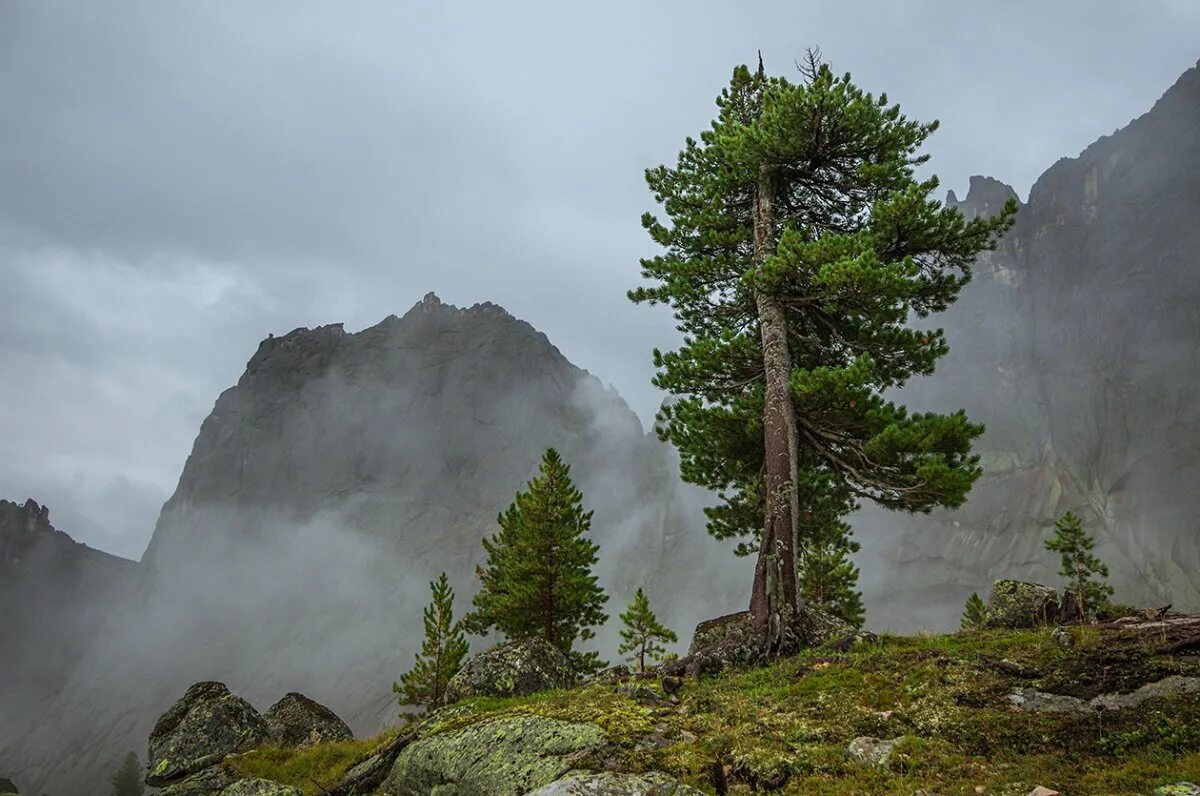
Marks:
<point>1078,345</point>
<point>339,476</point>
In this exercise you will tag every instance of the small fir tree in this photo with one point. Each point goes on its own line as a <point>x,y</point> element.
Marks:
<point>1084,572</point>
<point>538,579</point>
<point>441,655</point>
<point>127,780</point>
<point>642,633</point>
<point>975,614</point>
<point>828,579</point>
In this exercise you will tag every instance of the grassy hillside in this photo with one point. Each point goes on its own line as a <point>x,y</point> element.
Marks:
<point>786,727</point>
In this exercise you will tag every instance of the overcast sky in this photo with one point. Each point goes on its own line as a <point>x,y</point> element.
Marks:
<point>179,179</point>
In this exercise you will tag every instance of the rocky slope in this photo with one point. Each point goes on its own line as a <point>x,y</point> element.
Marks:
<point>1078,345</point>
<point>55,593</point>
<point>339,476</point>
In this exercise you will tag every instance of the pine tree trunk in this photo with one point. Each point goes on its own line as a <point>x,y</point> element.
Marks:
<point>774,598</point>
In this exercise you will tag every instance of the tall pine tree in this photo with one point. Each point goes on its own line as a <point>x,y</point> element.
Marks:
<point>538,579</point>
<point>127,779</point>
<point>643,634</point>
<point>1085,573</point>
<point>799,245</point>
<point>441,653</point>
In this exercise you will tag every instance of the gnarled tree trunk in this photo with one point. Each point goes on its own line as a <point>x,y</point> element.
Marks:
<point>774,600</point>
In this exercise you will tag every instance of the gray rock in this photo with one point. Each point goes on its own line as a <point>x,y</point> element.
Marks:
<point>1175,685</point>
<point>1016,604</point>
<point>609,783</point>
<point>202,783</point>
<point>298,721</point>
<point>642,694</point>
<point>1062,638</point>
<point>515,668</point>
<point>260,787</point>
<point>871,751</point>
<point>199,730</point>
<point>503,757</point>
<point>1178,789</point>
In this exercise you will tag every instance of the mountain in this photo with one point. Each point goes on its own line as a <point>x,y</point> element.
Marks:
<point>1078,345</point>
<point>339,476</point>
<point>55,593</point>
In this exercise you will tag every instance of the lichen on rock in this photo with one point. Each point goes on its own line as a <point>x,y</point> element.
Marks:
<point>1017,604</point>
<point>504,757</point>
<point>201,729</point>
<point>609,783</point>
<point>298,721</point>
<point>515,668</point>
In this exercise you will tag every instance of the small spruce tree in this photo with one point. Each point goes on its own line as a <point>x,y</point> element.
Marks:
<point>975,614</point>
<point>827,577</point>
<point>127,780</point>
<point>538,579</point>
<point>642,633</point>
<point>441,654</point>
<point>1084,572</point>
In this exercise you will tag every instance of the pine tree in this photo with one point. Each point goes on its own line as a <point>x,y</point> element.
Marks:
<point>799,246</point>
<point>975,614</point>
<point>441,654</point>
<point>538,579</point>
<point>828,578</point>
<point>1084,572</point>
<point>127,780</point>
<point>642,633</point>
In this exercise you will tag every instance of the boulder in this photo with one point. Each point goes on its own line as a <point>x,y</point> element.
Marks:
<point>642,694</point>
<point>871,751</point>
<point>515,668</point>
<point>208,782</point>
<point>7,788</point>
<point>1178,789</point>
<point>609,783</point>
<point>503,757</point>
<point>260,787</point>
<point>297,721</point>
<point>1016,604</point>
<point>199,730</point>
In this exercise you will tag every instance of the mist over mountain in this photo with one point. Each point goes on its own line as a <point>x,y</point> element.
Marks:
<point>1078,345</point>
<point>344,471</point>
<point>327,488</point>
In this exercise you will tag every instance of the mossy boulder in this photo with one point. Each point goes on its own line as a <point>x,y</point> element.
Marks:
<point>297,721</point>
<point>201,729</point>
<point>260,787</point>
<point>515,668</point>
<point>507,756</point>
<point>1018,604</point>
<point>609,783</point>
<point>208,782</point>
<point>1178,789</point>
<point>7,788</point>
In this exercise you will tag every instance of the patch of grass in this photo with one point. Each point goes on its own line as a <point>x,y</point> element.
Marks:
<point>314,769</point>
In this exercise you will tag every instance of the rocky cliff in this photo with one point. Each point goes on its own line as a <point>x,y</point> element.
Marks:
<point>339,476</point>
<point>1078,344</point>
<point>55,593</point>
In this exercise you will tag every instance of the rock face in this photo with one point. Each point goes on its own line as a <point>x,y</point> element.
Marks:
<point>298,721</point>
<point>54,596</point>
<point>341,474</point>
<point>609,783</point>
<point>1014,603</point>
<point>199,730</point>
<point>503,757</point>
<point>1075,346</point>
<point>515,668</point>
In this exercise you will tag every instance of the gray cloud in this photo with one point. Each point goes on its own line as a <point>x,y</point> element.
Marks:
<point>179,179</point>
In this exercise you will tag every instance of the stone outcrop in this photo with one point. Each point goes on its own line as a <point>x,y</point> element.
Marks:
<point>298,721</point>
<point>515,668</point>
<point>503,757</point>
<point>609,783</point>
<point>1073,345</point>
<point>7,788</point>
<point>1015,603</point>
<point>1175,685</point>
<point>204,726</point>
